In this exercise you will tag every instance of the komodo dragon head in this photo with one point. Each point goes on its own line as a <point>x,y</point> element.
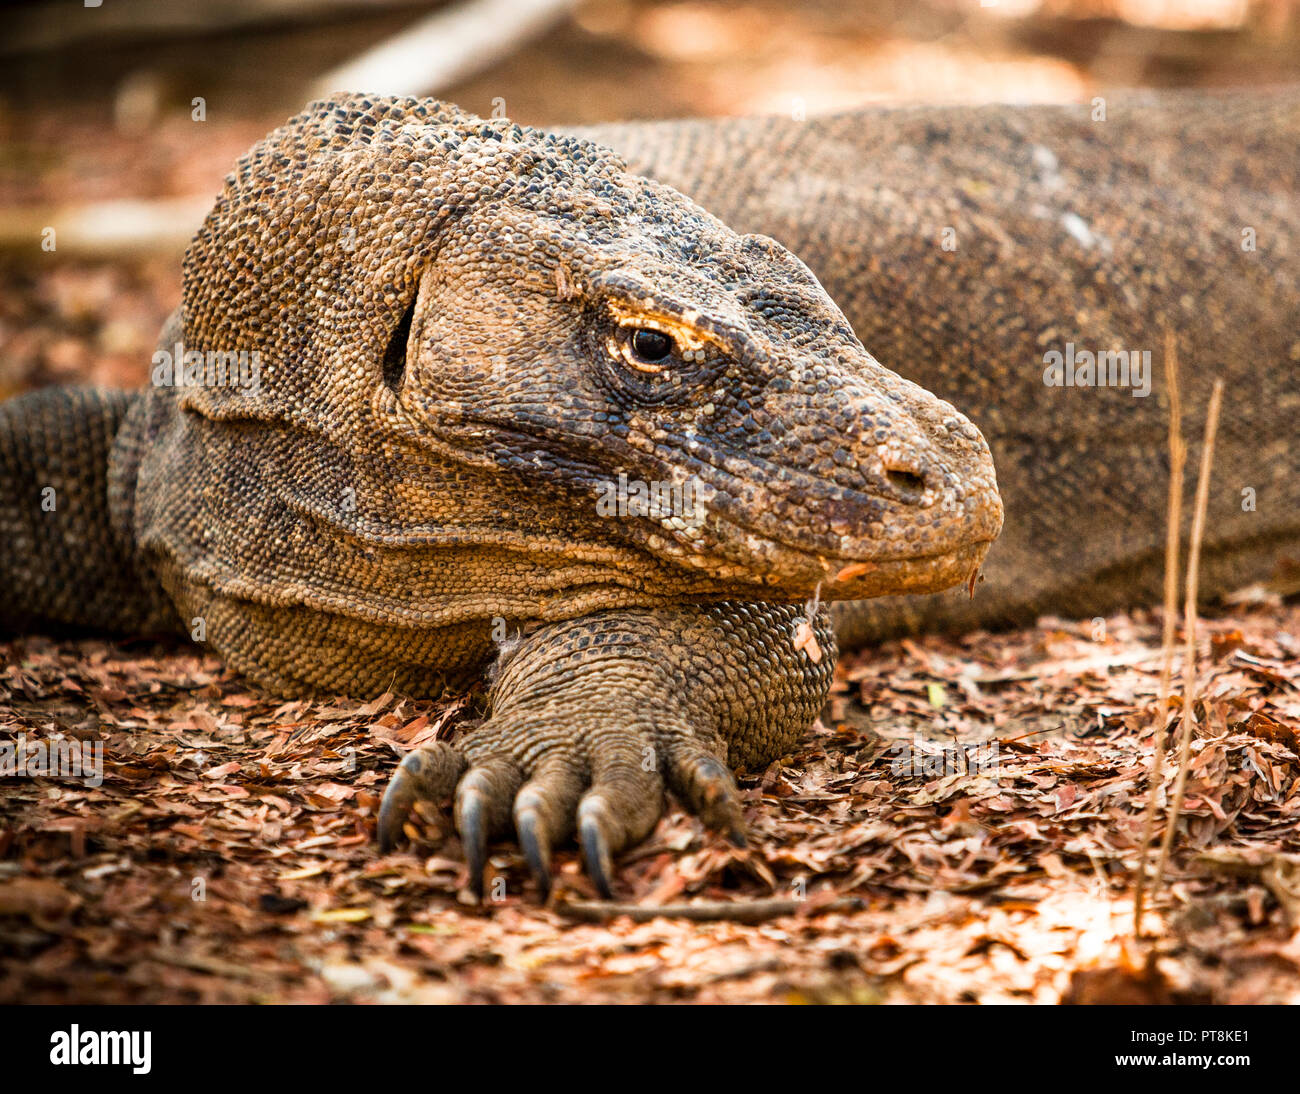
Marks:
<point>582,389</point>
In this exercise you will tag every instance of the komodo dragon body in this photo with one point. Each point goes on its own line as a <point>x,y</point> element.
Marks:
<point>466,332</point>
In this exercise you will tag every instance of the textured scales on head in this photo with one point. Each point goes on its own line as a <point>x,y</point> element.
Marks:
<point>445,312</point>
<point>333,218</point>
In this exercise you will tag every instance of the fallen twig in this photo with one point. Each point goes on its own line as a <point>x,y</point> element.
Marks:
<point>1067,669</point>
<point>1173,529</point>
<point>450,45</point>
<point>1189,626</point>
<point>735,911</point>
<point>112,229</point>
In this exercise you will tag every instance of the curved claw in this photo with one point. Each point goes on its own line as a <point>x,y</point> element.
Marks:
<point>595,848</point>
<point>471,825</point>
<point>544,811</point>
<point>536,847</point>
<point>708,789</point>
<point>427,774</point>
<point>482,810</point>
<point>607,793</point>
<point>393,810</point>
<point>621,808</point>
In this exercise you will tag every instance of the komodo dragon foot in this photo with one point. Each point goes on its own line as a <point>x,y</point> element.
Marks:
<point>593,717</point>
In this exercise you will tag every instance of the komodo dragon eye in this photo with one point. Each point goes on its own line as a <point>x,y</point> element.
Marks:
<point>653,359</point>
<point>651,346</point>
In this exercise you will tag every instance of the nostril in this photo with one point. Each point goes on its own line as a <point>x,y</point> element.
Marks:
<point>907,483</point>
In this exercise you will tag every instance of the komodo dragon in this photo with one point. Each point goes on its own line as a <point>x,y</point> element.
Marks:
<point>466,331</point>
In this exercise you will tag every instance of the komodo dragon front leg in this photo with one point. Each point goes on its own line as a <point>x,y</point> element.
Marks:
<point>592,718</point>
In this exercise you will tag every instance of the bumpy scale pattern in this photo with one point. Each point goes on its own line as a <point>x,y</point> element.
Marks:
<point>377,509</point>
<point>63,562</point>
<point>1103,225</point>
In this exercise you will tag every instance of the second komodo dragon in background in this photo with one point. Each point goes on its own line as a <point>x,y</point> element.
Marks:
<point>466,332</point>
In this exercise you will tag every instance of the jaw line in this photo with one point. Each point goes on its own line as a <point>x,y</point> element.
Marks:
<point>789,551</point>
<point>867,577</point>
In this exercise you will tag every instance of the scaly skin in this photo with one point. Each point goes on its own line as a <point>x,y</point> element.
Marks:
<point>63,561</point>
<point>592,716</point>
<point>449,319</point>
<point>1068,226</point>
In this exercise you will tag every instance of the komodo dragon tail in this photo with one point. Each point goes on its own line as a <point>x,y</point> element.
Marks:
<point>65,562</point>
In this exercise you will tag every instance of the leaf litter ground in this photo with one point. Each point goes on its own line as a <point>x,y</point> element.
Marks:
<point>980,797</point>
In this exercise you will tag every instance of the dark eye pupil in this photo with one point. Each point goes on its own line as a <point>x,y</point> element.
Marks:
<point>651,345</point>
